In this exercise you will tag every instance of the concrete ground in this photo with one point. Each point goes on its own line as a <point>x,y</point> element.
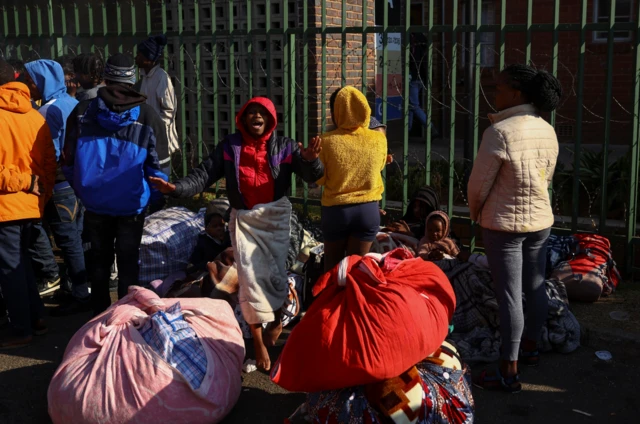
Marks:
<point>562,385</point>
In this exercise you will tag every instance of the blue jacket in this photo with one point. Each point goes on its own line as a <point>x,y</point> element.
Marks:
<point>110,151</point>
<point>56,103</point>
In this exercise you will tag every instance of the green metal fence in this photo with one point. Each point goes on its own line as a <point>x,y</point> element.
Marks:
<point>223,52</point>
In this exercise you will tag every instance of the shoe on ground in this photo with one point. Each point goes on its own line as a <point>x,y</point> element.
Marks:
<point>46,286</point>
<point>13,342</point>
<point>71,307</point>
<point>39,328</point>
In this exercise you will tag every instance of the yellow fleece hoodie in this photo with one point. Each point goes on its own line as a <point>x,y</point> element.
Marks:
<point>353,155</point>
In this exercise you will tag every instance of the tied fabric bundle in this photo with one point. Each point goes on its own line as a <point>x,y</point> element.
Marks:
<point>115,370</point>
<point>374,318</point>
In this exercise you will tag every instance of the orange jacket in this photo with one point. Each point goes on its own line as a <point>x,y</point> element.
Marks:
<point>26,149</point>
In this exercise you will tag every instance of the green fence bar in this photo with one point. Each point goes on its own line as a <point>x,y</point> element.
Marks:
<point>305,91</point>
<point>134,31</point>
<point>91,30</point>
<point>577,146</point>
<point>477,74</point>
<point>607,119</point>
<point>323,83</point>
<point>76,20</point>
<point>63,21</point>
<point>198,83</point>
<point>365,35</point>
<point>529,25</point>
<point>429,103</point>
<point>249,50</point>
<point>163,13</point>
<point>232,63</point>
<point>183,91</point>
<point>268,30</point>
<point>288,73</point>
<point>105,31</point>
<point>633,152</point>
<point>16,20</point>
<point>343,52</point>
<point>556,47</point>
<point>385,91</point>
<point>452,118</point>
<point>5,21</point>
<point>119,26</point>
<point>39,24</point>
<point>405,111</point>
<point>51,28</point>
<point>503,33</point>
<point>214,52</point>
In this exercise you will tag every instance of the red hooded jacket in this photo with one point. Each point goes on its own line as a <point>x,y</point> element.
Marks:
<point>255,178</point>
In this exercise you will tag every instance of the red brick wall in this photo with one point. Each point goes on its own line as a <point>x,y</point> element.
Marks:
<point>595,71</point>
<point>354,72</point>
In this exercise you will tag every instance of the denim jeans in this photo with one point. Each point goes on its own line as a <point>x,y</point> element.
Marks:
<point>517,263</point>
<point>17,281</point>
<point>415,87</point>
<point>64,216</point>
<point>113,237</point>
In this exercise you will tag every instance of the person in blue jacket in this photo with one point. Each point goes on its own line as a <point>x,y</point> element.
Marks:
<point>63,213</point>
<point>109,154</point>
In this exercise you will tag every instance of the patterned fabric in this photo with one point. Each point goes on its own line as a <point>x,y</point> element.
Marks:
<point>114,73</point>
<point>398,399</point>
<point>171,337</point>
<point>168,240</point>
<point>447,399</point>
<point>476,322</point>
<point>558,249</point>
<point>289,311</point>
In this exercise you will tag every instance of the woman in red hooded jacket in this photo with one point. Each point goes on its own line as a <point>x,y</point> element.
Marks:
<point>257,165</point>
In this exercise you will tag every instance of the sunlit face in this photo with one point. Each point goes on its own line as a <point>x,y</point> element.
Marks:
<point>436,228</point>
<point>256,119</point>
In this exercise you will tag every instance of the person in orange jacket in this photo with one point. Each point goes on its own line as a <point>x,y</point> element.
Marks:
<point>27,173</point>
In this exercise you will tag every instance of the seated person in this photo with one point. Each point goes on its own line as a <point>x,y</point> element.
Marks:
<point>212,242</point>
<point>436,244</point>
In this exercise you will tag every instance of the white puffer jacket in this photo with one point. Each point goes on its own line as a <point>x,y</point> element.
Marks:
<point>508,187</point>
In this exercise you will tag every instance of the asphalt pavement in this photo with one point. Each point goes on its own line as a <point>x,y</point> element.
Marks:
<point>574,388</point>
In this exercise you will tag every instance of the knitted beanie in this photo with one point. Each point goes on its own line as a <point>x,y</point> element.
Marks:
<point>120,68</point>
<point>153,47</point>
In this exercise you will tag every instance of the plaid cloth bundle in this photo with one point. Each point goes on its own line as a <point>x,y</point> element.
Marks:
<point>171,337</point>
<point>168,240</point>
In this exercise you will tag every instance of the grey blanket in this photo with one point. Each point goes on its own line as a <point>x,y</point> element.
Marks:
<point>476,322</point>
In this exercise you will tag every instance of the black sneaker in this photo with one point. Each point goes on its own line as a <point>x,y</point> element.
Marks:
<point>74,306</point>
<point>46,286</point>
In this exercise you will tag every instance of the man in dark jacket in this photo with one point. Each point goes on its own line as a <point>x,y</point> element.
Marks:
<point>257,166</point>
<point>110,151</point>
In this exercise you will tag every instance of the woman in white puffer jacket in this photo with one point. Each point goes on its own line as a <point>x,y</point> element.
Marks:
<point>508,196</point>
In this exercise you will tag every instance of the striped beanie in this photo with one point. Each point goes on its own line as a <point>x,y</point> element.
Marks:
<point>120,68</point>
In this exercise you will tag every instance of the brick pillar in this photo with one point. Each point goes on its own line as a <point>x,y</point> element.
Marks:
<point>354,72</point>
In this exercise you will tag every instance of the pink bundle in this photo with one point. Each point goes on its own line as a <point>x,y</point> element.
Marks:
<point>110,374</point>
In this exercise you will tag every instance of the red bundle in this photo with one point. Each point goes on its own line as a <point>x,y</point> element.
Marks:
<point>370,322</point>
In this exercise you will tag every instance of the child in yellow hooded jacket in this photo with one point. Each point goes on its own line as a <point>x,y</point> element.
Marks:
<point>353,157</point>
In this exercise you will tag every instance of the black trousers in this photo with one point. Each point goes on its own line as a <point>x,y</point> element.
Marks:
<point>110,236</point>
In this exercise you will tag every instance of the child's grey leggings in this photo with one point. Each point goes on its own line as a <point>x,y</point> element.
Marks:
<point>517,262</point>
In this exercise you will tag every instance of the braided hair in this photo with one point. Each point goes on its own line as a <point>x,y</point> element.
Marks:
<point>89,64</point>
<point>539,87</point>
